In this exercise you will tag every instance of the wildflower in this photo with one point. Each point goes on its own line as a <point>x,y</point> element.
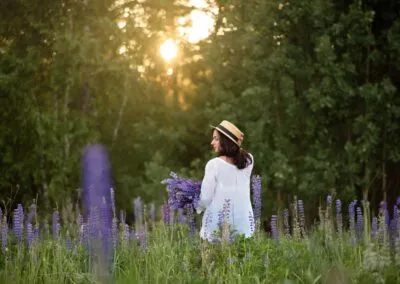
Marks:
<point>114,232</point>
<point>112,198</point>
<point>31,214</point>
<point>137,209</point>
<point>153,212</point>
<point>182,191</point>
<point>166,213</point>
<point>374,227</point>
<point>142,237</point>
<point>339,218</point>
<point>256,186</point>
<point>352,217</point>
<point>359,225</point>
<point>68,241</point>
<point>56,225</point>
<point>18,221</point>
<point>286,222</point>
<point>274,227</point>
<point>29,235</point>
<point>4,234</point>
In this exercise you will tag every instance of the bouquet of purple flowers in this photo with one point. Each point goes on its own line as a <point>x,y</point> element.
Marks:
<point>182,192</point>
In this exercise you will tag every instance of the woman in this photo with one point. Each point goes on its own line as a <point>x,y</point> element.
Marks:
<point>225,189</point>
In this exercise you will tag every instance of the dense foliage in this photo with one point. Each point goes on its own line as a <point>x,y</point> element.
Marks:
<point>314,85</point>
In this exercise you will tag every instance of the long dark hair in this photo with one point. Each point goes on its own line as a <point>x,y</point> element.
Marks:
<point>240,157</point>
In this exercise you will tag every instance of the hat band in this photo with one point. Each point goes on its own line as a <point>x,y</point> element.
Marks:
<point>227,132</point>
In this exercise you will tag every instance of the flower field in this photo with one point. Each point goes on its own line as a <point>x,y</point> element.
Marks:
<point>345,245</point>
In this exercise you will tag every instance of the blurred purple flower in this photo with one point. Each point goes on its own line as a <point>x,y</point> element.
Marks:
<point>4,234</point>
<point>31,214</point>
<point>29,235</point>
<point>96,178</point>
<point>339,217</point>
<point>257,203</point>
<point>112,200</point>
<point>36,232</point>
<point>374,227</point>
<point>56,225</point>
<point>142,237</point>
<point>360,224</point>
<point>68,241</point>
<point>166,213</point>
<point>181,216</point>
<point>302,218</point>
<point>114,232</point>
<point>153,212</point>
<point>352,222</point>
<point>286,222</point>
<point>274,227</point>
<point>18,221</point>
<point>329,200</point>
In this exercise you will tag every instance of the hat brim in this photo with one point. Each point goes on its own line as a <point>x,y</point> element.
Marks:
<point>225,134</point>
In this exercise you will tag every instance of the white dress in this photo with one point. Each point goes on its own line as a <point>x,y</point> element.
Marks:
<point>225,185</point>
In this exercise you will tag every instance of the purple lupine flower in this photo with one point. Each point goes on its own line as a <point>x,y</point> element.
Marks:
<point>252,222</point>
<point>190,219</point>
<point>127,234</point>
<point>142,237</point>
<point>182,191</point>
<point>286,222</point>
<point>36,232</point>
<point>114,232</point>
<point>68,241</point>
<point>96,181</point>
<point>302,218</point>
<point>166,213</point>
<point>223,214</point>
<point>181,216</point>
<point>29,235</point>
<point>274,227</point>
<point>374,227</point>
<point>137,209</point>
<point>133,236</point>
<point>56,225</point>
<point>122,216</point>
<point>352,222</point>
<point>359,224</point>
<point>256,186</point>
<point>329,200</point>
<point>32,213</point>
<point>398,201</point>
<point>4,234</point>
<point>18,223</point>
<point>383,207</point>
<point>339,217</point>
<point>112,200</point>
<point>105,229</point>
<point>94,223</point>
<point>152,212</point>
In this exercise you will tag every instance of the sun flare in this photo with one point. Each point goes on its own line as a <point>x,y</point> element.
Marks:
<point>169,50</point>
<point>193,28</point>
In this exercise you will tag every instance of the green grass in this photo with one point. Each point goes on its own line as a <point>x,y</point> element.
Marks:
<point>172,256</point>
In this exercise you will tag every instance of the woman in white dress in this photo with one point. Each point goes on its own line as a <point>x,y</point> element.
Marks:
<point>225,189</point>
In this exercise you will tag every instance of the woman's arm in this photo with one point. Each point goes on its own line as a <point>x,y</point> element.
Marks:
<point>208,186</point>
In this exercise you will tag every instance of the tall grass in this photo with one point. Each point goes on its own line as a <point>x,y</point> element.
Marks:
<point>171,253</point>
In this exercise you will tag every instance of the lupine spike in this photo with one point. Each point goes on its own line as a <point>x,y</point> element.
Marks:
<point>257,203</point>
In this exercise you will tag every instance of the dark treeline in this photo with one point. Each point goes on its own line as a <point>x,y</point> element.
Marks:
<point>313,84</point>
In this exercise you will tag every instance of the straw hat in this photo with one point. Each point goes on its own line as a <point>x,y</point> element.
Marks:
<point>230,131</point>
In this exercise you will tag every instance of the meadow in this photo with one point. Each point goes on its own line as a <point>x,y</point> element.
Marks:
<point>345,245</point>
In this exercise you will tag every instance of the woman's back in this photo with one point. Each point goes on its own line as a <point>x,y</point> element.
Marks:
<point>226,193</point>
